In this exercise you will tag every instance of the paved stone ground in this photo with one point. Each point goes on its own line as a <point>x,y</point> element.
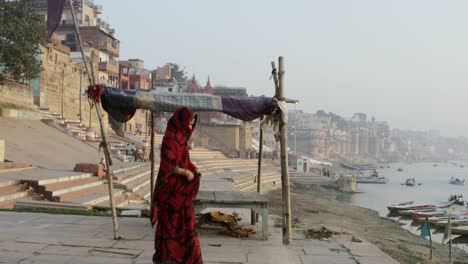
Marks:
<point>46,238</point>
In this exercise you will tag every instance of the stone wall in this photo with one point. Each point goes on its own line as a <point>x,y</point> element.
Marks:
<point>63,84</point>
<point>137,123</point>
<point>18,94</point>
<point>225,138</point>
<point>16,101</point>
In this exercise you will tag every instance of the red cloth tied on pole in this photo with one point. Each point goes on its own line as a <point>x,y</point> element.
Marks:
<point>95,92</point>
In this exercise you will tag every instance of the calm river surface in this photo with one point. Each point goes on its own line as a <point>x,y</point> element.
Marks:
<point>434,187</point>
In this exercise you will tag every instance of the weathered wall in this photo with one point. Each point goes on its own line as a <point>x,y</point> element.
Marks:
<point>245,137</point>
<point>224,137</point>
<point>16,101</point>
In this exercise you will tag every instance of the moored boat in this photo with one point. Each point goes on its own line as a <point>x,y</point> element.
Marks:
<point>457,181</point>
<point>373,178</point>
<point>410,206</point>
<point>410,182</point>
<point>434,213</point>
<point>461,222</point>
<point>462,230</point>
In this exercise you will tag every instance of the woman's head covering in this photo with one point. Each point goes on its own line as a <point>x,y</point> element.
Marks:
<point>180,121</point>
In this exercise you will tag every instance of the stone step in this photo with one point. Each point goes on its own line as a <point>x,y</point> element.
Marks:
<point>95,197</point>
<point>50,205</point>
<point>12,196</point>
<point>11,189</point>
<point>138,184</point>
<point>144,192</point>
<point>7,183</point>
<point>59,179</point>
<point>266,186</point>
<point>252,181</point>
<point>73,187</point>
<point>122,175</point>
<point>143,174</point>
<point>7,204</point>
<point>247,177</point>
<point>119,201</point>
<point>71,196</point>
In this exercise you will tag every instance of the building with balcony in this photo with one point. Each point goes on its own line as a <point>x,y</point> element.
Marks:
<point>95,32</point>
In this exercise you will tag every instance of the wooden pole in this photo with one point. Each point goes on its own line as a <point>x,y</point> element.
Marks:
<point>105,146</point>
<point>152,154</point>
<point>260,158</point>
<point>450,238</point>
<point>284,160</point>
<point>430,245</point>
<point>259,171</point>
<point>79,95</point>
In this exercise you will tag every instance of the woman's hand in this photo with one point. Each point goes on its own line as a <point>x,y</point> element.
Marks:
<point>189,176</point>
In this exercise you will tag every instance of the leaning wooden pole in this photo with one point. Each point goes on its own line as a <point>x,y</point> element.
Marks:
<point>152,154</point>
<point>105,146</point>
<point>284,160</point>
<point>260,158</point>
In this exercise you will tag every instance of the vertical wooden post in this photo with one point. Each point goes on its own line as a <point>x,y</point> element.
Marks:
<point>430,245</point>
<point>260,157</point>
<point>254,216</point>
<point>79,95</point>
<point>284,160</point>
<point>450,238</point>
<point>105,146</point>
<point>152,154</point>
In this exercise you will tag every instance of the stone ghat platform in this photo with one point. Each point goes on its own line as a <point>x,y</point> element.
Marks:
<point>45,238</point>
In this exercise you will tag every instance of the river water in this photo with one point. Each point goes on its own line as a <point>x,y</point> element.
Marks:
<point>434,187</point>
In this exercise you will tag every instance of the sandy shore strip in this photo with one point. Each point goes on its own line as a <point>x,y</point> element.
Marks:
<point>315,206</point>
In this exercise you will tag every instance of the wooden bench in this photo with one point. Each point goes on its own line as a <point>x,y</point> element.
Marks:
<point>226,199</point>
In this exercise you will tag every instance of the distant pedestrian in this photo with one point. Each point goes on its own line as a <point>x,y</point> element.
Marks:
<point>128,150</point>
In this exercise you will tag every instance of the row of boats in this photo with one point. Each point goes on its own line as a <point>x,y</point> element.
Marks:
<point>437,213</point>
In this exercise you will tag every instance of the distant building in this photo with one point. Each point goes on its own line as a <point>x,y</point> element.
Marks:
<point>193,86</point>
<point>95,33</point>
<point>163,80</point>
<point>139,77</point>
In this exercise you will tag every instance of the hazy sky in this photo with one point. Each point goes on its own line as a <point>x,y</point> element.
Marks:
<point>404,61</point>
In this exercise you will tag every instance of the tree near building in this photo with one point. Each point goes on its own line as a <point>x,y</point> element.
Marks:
<point>179,74</point>
<point>21,33</point>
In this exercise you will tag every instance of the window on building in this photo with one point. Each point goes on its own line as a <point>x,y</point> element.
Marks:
<point>170,90</point>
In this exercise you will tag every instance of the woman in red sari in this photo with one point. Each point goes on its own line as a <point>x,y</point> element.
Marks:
<point>176,239</point>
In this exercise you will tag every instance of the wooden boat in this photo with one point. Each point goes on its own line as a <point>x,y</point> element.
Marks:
<point>406,207</point>
<point>457,181</point>
<point>461,222</point>
<point>410,182</point>
<point>457,215</point>
<point>462,230</point>
<point>434,213</point>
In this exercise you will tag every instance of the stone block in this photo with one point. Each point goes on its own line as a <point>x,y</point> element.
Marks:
<point>96,169</point>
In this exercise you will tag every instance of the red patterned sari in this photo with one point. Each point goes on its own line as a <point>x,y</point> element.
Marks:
<point>176,239</point>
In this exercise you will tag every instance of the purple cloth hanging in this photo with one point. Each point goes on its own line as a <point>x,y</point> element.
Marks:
<point>54,15</point>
